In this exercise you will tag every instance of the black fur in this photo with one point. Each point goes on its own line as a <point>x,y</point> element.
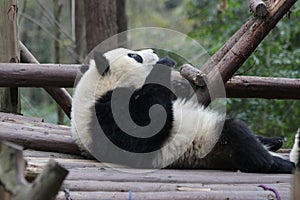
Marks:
<point>247,154</point>
<point>101,63</point>
<point>139,105</point>
<point>273,144</point>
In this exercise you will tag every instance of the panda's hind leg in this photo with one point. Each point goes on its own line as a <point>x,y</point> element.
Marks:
<point>271,143</point>
<point>247,153</point>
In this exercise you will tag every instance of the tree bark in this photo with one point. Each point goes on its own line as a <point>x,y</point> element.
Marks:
<point>79,27</point>
<point>9,51</point>
<point>122,22</point>
<point>101,22</point>
<point>57,8</point>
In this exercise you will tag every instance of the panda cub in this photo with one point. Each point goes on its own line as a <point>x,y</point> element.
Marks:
<point>190,135</point>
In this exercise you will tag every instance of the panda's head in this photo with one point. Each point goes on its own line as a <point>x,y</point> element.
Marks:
<point>127,67</point>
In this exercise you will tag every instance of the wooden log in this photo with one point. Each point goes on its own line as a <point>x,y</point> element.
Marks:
<point>39,140</point>
<point>109,186</point>
<point>58,75</point>
<point>33,75</point>
<point>172,175</point>
<point>241,50</point>
<point>250,86</point>
<point>216,195</point>
<point>12,166</point>
<point>263,87</point>
<point>60,95</point>
<point>258,7</point>
<point>18,118</point>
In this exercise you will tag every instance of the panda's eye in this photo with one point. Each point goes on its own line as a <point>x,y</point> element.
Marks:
<point>136,57</point>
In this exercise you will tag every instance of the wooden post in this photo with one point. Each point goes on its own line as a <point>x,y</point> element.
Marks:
<point>13,183</point>
<point>9,51</point>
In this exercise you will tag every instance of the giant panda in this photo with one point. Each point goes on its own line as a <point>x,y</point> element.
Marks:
<point>218,142</point>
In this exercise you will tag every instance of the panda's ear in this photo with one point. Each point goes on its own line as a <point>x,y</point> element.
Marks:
<point>101,63</point>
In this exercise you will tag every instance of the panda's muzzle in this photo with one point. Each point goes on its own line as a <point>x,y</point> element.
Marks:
<point>166,61</point>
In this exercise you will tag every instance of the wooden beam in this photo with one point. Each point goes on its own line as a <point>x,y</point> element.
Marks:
<point>39,139</point>
<point>58,75</point>
<point>241,47</point>
<point>262,87</point>
<point>60,95</point>
<point>38,75</point>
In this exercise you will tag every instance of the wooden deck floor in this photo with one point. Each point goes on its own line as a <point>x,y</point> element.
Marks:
<point>89,179</point>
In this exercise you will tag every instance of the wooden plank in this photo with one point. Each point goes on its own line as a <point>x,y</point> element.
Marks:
<point>109,186</point>
<point>43,128</point>
<point>7,117</point>
<point>45,154</point>
<point>216,195</point>
<point>185,176</point>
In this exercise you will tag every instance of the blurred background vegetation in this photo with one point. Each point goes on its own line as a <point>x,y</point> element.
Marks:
<point>210,22</point>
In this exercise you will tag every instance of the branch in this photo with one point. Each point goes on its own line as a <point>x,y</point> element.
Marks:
<point>236,51</point>
<point>12,166</point>
<point>60,95</point>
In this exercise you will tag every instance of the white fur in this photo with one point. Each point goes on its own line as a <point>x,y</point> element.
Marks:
<point>295,153</point>
<point>195,132</point>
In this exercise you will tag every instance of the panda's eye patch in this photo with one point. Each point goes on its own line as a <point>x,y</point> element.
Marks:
<point>136,57</point>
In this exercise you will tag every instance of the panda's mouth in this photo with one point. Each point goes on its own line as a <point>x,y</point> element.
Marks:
<point>166,61</point>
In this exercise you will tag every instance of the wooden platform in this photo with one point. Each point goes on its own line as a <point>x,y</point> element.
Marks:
<point>89,179</point>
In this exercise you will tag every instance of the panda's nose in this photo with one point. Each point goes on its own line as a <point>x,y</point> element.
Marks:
<point>167,61</point>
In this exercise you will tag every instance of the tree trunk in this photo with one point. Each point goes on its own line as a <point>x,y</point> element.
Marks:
<point>9,51</point>
<point>122,22</point>
<point>101,21</point>
<point>79,27</point>
<point>57,8</point>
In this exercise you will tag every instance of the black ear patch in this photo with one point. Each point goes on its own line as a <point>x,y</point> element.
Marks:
<point>101,63</point>
<point>136,57</point>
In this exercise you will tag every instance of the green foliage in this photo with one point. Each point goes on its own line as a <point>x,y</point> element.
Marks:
<point>276,56</point>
